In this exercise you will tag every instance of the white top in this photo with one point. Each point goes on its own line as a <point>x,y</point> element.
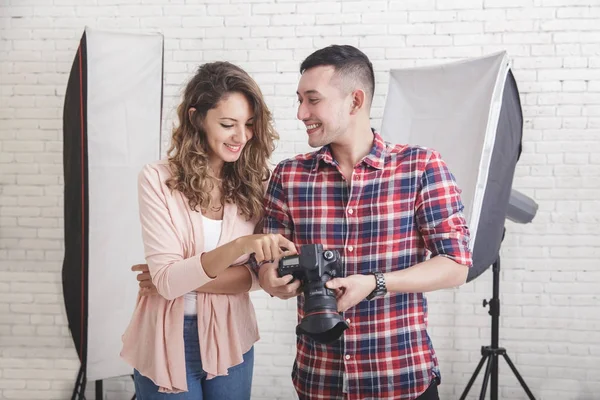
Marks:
<point>212,233</point>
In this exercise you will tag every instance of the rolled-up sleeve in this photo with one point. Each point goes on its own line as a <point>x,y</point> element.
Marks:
<point>171,273</point>
<point>277,218</point>
<point>439,213</point>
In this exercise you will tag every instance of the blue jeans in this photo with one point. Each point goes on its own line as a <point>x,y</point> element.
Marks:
<point>235,386</point>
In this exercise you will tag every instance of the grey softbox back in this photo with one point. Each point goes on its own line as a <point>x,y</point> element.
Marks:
<point>470,112</point>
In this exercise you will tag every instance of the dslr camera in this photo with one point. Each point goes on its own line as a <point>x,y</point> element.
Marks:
<point>314,267</point>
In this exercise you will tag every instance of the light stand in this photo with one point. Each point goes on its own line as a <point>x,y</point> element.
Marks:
<point>80,382</point>
<point>493,352</point>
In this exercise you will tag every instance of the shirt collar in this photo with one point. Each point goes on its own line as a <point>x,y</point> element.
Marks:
<point>375,158</point>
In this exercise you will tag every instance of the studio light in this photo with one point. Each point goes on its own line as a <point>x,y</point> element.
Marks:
<point>111,128</point>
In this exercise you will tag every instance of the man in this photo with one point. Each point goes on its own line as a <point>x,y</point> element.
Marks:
<point>395,215</point>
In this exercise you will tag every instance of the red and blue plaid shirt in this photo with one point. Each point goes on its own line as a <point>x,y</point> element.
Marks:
<point>401,207</point>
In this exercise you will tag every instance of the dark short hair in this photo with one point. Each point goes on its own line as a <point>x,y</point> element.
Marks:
<point>348,62</point>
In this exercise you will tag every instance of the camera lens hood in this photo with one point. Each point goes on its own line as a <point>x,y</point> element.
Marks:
<point>323,326</point>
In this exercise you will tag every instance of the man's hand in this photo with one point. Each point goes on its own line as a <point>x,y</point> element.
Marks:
<point>275,285</point>
<point>147,288</point>
<point>351,290</point>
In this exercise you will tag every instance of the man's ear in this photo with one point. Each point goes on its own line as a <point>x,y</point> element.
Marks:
<point>358,101</point>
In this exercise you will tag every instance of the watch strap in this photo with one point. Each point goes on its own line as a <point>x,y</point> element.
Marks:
<point>380,288</point>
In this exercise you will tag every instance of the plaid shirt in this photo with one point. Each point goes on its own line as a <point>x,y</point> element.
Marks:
<point>401,207</point>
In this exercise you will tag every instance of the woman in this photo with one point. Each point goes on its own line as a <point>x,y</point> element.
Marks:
<point>199,209</point>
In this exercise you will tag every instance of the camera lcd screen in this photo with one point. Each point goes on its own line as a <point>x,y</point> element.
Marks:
<point>290,261</point>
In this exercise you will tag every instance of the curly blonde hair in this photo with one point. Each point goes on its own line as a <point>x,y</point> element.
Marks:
<point>243,180</point>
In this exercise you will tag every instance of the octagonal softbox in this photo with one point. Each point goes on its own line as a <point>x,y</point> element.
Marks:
<point>111,128</point>
<point>470,112</point>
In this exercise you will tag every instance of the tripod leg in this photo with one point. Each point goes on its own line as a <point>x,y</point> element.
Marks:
<point>486,377</point>
<point>494,378</point>
<point>99,390</point>
<point>473,377</point>
<point>521,381</point>
<point>77,384</point>
<point>83,384</point>
<point>132,378</point>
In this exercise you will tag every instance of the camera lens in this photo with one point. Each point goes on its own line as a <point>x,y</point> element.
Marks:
<point>321,321</point>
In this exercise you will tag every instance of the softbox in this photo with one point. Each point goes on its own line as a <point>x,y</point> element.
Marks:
<point>470,112</point>
<point>111,128</point>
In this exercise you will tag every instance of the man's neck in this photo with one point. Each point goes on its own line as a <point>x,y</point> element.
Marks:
<point>357,143</point>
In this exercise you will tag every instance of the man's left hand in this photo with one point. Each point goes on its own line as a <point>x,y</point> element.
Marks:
<point>351,290</point>
<point>147,288</point>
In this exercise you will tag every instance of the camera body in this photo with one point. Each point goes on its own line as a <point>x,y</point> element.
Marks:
<point>313,264</point>
<point>314,267</point>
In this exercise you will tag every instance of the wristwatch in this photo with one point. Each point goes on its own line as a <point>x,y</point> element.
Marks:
<point>380,289</point>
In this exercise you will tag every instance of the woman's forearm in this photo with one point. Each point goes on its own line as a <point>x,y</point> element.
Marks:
<point>233,280</point>
<point>217,261</point>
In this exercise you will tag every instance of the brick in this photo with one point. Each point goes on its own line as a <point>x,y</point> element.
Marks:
<point>229,32</point>
<point>575,37</point>
<point>443,28</point>
<point>289,43</point>
<point>323,7</point>
<point>477,39</point>
<point>202,22</point>
<point>363,29</point>
<point>281,9</point>
<point>413,29</point>
<point>247,21</point>
<point>508,3</point>
<point>577,12</point>
<point>318,30</point>
<point>13,384</point>
<point>292,19</point>
<point>509,26</point>
<point>480,15</point>
<point>531,38</point>
<point>569,25</point>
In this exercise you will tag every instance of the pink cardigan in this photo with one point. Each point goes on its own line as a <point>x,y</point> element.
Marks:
<point>173,242</point>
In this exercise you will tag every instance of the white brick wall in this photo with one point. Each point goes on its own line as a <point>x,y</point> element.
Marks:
<point>551,278</point>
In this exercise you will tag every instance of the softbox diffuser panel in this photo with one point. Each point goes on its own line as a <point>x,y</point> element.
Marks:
<point>111,128</point>
<point>470,112</point>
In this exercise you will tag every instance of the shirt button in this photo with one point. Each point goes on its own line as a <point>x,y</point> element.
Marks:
<point>347,356</point>
<point>348,321</point>
<point>350,211</point>
<point>350,248</point>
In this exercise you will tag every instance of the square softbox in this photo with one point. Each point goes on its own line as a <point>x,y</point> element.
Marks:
<point>111,128</point>
<point>470,112</point>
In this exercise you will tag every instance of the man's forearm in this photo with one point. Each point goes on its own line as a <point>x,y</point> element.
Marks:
<point>233,280</point>
<point>434,274</point>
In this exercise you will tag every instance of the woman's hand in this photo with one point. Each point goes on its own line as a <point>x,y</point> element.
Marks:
<point>266,247</point>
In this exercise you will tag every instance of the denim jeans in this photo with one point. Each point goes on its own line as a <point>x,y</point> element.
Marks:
<point>235,386</point>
